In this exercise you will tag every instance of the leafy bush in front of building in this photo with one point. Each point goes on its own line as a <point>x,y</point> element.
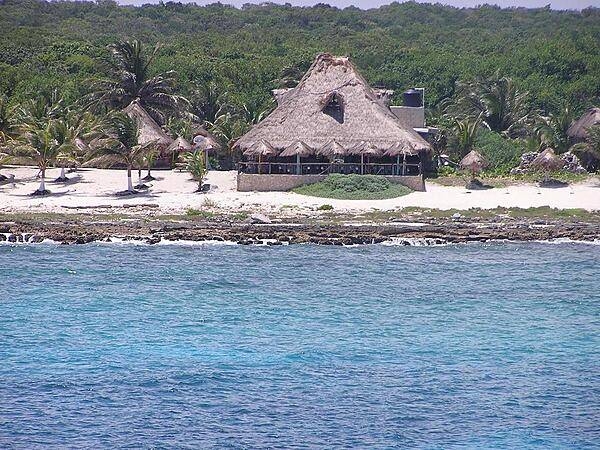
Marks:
<point>354,187</point>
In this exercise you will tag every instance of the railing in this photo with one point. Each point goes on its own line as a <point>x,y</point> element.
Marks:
<point>273,168</point>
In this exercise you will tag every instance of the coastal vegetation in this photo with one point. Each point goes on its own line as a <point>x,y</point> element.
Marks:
<point>123,146</point>
<point>195,165</point>
<point>354,187</point>
<point>500,81</point>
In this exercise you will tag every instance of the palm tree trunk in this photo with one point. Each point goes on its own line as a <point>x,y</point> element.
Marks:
<point>42,187</point>
<point>62,173</point>
<point>129,182</point>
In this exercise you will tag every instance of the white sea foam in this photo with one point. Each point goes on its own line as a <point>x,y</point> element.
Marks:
<point>393,242</point>
<point>185,243</point>
<point>415,242</point>
<point>568,241</point>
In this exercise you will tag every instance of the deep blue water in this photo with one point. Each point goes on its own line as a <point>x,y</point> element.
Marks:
<point>471,346</point>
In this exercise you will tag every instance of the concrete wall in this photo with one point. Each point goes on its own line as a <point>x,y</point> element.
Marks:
<point>415,182</point>
<point>247,182</point>
<point>409,115</point>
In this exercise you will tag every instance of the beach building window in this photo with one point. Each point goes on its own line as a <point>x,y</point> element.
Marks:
<point>334,107</point>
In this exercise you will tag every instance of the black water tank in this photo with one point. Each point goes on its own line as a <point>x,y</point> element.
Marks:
<point>413,98</point>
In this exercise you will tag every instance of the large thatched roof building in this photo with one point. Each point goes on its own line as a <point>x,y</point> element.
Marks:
<point>333,103</point>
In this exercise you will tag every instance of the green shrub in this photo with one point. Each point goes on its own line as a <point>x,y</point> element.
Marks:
<point>192,212</point>
<point>445,171</point>
<point>325,208</point>
<point>502,154</point>
<point>354,187</point>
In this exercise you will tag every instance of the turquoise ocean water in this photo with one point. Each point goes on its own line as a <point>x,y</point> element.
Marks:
<point>470,346</point>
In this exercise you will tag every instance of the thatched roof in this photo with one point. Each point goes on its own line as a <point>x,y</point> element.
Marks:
<point>179,145</point>
<point>303,113</point>
<point>366,148</point>
<point>548,161</point>
<point>579,128</point>
<point>473,161</point>
<point>150,131</point>
<point>402,148</point>
<point>280,94</point>
<point>261,148</point>
<point>332,149</point>
<point>298,149</point>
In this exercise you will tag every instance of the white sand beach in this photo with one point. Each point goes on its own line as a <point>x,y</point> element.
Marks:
<point>173,192</point>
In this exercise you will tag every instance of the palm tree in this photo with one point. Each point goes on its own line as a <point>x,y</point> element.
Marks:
<point>86,132</point>
<point>227,128</point>
<point>553,129</point>
<point>38,111</point>
<point>194,163</point>
<point>8,131</point>
<point>464,135</point>
<point>123,146</point>
<point>149,159</point>
<point>209,101</point>
<point>255,110</point>
<point>44,146</point>
<point>503,107</point>
<point>8,122</point>
<point>131,80</point>
<point>5,158</point>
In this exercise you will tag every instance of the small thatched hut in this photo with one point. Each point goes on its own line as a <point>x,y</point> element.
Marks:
<point>578,130</point>
<point>179,145</point>
<point>334,114</point>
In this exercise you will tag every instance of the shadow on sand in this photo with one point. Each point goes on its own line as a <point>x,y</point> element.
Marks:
<point>553,184</point>
<point>476,185</point>
<point>132,194</point>
<point>69,180</point>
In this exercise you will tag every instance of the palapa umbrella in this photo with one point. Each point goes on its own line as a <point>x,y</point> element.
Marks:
<point>473,162</point>
<point>206,142</point>
<point>333,149</point>
<point>368,149</point>
<point>179,145</point>
<point>298,149</point>
<point>547,162</point>
<point>261,149</point>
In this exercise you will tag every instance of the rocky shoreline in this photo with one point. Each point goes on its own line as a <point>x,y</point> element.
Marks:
<point>429,232</point>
